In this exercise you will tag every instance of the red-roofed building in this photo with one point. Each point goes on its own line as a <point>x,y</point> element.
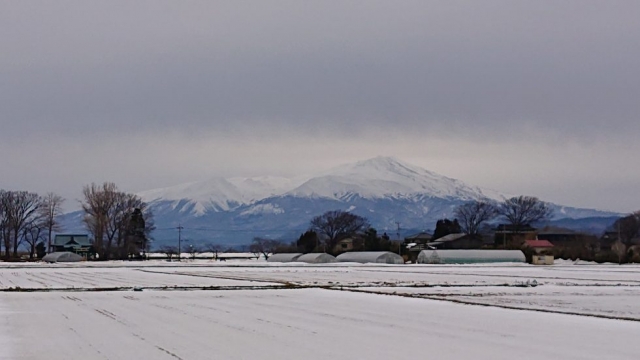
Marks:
<point>540,247</point>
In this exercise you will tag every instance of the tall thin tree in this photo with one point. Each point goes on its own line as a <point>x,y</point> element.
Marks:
<point>51,210</point>
<point>22,207</point>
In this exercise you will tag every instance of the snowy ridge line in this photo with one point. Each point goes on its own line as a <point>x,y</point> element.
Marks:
<point>510,307</point>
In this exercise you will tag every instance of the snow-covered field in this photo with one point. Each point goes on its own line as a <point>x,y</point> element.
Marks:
<point>254,310</point>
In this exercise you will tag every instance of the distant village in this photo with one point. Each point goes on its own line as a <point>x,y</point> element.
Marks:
<point>119,227</point>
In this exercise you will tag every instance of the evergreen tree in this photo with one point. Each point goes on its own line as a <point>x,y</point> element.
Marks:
<point>446,227</point>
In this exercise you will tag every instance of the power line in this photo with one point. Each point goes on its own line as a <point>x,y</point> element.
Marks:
<point>231,230</point>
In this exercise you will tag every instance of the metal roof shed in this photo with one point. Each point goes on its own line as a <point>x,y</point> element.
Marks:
<point>62,256</point>
<point>284,257</point>
<point>379,257</point>
<point>469,256</point>
<point>317,258</point>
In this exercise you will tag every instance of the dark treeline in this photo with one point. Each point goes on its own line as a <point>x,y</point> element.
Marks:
<point>120,226</point>
<point>29,219</point>
<point>338,231</point>
<point>119,223</point>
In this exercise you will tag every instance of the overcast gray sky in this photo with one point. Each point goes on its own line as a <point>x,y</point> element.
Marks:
<point>526,97</point>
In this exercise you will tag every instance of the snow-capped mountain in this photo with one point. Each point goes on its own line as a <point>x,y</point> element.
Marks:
<point>218,194</point>
<point>386,177</point>
<point>385,190</point>
<point>377,178</point>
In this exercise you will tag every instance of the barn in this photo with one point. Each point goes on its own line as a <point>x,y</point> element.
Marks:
<point>379,257</point>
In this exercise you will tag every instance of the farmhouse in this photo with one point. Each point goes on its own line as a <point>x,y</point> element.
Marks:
<point>542,251</point>
<point>77,243</point>
<point>539,246</point>
<point>457,241</point>
<point>506,234</point>
<point>416,243</point>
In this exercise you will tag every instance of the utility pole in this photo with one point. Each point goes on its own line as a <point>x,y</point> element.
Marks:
<point>179,240</point>
<point>398,234</point>
<point>504,236</point>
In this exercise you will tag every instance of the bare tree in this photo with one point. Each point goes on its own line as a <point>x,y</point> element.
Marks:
<point>19,209</point>
<point>169,250</point>
<point>628,227</point>
<point>263,246</point>
<point>338,224</point>
<point>619,249</point>
<point>473,214</point>
<point>3,220</point>
<point>33,233</point>
<point>108,215</point>
<point>214,249</point>
<point>51,210</point>
<point>98,202</point>
<point>524,210</point>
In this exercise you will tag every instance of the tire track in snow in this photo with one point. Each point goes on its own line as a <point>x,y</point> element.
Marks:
<point>469,302</point>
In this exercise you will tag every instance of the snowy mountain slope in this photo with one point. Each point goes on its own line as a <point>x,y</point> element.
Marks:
<point>382,177</point>
<point>216,194</point>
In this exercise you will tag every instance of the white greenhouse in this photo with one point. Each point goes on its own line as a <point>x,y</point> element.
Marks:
<point>317,258</point>
<point>469,256</point>
<point>62,256</point>
<point>379,257</point>
<point>284,257</point>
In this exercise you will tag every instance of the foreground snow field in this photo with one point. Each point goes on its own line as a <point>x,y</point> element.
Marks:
<point>318,312</point>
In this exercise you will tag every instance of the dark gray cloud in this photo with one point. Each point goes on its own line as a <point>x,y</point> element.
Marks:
<point>86,76</point>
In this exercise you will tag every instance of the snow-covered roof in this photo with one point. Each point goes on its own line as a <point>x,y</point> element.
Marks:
<point>62,256</point>
<point>419,236</point>
<point>237,256</point>
<point>284,257</point>
<point>450,237</point>
<point>316,258</point>
<point>380,257</point>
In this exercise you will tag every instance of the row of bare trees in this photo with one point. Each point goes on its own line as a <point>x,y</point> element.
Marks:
<point>525,210</point>
<point>26,217</point>
<point>518,211</point>
<point>119,222</point>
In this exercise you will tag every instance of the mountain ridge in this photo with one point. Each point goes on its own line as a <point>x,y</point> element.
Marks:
<point>383,189</point>
<point>373,178</point>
